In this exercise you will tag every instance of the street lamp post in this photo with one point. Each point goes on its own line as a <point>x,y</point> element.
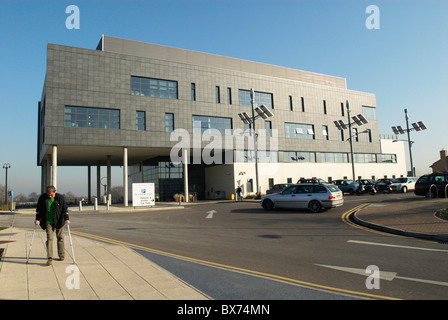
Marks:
<point>358,120</point>
<point>417,126</point>
<point>263,112</point>
<point>6,166</point>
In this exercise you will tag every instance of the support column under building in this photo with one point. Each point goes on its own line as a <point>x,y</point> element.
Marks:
<point>98,182</point>
<point>185,161</point>
<point>125,177</point>
<point>109,179</point>
<point>54,163</point>
<point>89,185</point>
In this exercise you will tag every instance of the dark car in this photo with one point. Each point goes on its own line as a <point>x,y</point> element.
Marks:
<point>346,185</point>
<point>312,180</point>
<point>383,185</point>
<point>432,185</point>
<point>276,188</point>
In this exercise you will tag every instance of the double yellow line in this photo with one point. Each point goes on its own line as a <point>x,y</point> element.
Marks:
<point>242,270</point>
<point>346,216</point>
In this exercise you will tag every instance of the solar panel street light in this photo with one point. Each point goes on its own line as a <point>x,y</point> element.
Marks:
<point>422,126</point>
<point>362,119</point>
<point>416,127</point>
<point>357,121</point>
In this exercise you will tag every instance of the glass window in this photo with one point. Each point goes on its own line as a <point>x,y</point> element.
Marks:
<point>299,130</point>
<point>325,133</point>
<point>259,99</point>
<point>153,88</point>
<point>334,157</point>
<point>299,156</point>
<point>229,95</point>
<point>268,127</point>
<point>140,120</point>
<point>202,123</point>
<point>218,95</point>
<point>369,113</point>
<point>83,117</point>
<point>169,122</point>
<point>193,92</point>
<point>389,158</point>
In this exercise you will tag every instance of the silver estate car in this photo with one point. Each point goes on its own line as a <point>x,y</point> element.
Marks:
<point>313,197</point>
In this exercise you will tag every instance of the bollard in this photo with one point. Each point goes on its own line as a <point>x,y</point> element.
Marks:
<point>95,204</point>
<point>80,205</point>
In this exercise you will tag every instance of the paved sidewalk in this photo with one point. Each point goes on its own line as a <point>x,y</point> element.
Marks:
<point>409,217</point>
<point>106,272</point>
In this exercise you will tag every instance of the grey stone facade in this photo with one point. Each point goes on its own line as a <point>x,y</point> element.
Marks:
<point>102,79</point>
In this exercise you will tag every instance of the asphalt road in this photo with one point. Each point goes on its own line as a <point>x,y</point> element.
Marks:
<point>230,243</point>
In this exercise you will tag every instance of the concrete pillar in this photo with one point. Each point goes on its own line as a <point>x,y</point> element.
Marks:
<point>54,163</point>
<point>89,185</point>
<point>125,176</point>
<point>98,181</point>
<point>109,178</point>
<point>185,161</point>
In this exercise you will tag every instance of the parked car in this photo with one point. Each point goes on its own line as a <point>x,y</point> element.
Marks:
<point>403,184</point>
<point>432,185</point>
<point>366,181</point>
<point>346,185</point>
<point>313,197</point>
<point>383,185</point>
<point>276,188</point>
<point>312,180</point>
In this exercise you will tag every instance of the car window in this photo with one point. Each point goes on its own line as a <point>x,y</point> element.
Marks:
<point>304,189</point>
<point>290,190</point>
<point>333,188</point>
<point>439,179</point>
<point>320,189</point>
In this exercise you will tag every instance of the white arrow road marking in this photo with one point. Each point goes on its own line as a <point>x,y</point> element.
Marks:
<point>384,275</point>
<point>210,214</point>
<point>393,245</point>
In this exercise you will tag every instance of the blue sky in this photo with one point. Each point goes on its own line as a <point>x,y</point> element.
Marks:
<point>404,63</point>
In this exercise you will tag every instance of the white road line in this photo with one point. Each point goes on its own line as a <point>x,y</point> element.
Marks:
<point>395,246</point>
<point>384,275</point>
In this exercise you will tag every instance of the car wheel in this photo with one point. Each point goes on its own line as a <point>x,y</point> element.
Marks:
<point>351,191</point>
<point>404,189</point>
<point>315,206</point>
<point>268,204</point>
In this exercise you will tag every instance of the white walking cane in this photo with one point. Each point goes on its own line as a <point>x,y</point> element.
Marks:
<point>71,244</point>
<point>31,244</point>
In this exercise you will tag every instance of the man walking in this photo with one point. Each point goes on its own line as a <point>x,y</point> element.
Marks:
<point>52,215</point>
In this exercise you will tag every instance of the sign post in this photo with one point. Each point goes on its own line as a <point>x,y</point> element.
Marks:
<point>143,194</point>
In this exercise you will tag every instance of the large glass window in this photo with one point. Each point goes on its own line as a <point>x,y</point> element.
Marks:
<point>389,158</point>
<point>299,156</point>
<point>202,123</point>
<point>86,117</point>
<point>333,157</point>
<point>365,157</point>
<point>299,130</point>
<point>259,99</point>
<point>369,113</point>
<point>153,87</point>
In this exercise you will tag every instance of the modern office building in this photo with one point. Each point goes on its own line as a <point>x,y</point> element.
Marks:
<point>131,103</point>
